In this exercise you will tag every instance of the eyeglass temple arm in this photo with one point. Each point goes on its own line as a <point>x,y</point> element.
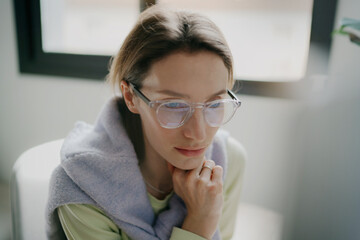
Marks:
<point>140,94</point>
<point>233,96</point>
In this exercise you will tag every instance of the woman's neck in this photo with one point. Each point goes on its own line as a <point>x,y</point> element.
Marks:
<point>156,174</point>
<point>158,181</point>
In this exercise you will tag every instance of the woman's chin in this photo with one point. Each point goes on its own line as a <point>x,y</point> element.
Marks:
<point>190,163</point>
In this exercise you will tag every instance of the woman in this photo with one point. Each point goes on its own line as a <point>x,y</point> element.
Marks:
<point>154,165</point>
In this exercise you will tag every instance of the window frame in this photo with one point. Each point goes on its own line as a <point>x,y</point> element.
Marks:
<point>32,59</point>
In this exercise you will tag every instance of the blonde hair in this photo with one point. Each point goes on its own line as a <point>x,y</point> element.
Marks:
<point>158,33</point>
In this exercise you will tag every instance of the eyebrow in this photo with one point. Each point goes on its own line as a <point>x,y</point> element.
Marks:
<point>176,94</point>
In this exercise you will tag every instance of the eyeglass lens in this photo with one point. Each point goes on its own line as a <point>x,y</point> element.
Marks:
<point>174,114</point>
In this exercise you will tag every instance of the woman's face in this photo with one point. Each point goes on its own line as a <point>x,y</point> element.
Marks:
<point>193,77</point>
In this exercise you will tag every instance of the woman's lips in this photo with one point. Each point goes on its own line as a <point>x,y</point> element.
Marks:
<point>190,152</point>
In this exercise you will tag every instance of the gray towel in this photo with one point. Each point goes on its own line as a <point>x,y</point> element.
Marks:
<point>99,167</point>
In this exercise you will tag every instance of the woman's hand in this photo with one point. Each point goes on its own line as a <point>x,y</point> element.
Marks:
<point>201,190</point>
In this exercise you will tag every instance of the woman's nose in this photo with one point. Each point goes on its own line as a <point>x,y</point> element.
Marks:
<point>195,128</point>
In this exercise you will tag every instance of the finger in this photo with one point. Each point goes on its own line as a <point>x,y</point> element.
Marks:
<point>217,174</point>
<point>207,169</point>
<point>178,175</point>
<point>194,173</point>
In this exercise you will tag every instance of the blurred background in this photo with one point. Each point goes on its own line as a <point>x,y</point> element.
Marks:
<point>299,120</point>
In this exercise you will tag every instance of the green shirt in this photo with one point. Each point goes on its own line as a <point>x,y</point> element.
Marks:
<point>87,222</point>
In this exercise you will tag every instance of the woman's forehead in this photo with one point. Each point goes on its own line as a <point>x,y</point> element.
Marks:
<point>182,73</point>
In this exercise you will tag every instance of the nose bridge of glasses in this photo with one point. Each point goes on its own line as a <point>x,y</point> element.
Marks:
<point>197,105</point>
<point>199,116</point>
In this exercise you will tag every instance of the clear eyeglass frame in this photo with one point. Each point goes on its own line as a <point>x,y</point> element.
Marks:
<point>236,103</point>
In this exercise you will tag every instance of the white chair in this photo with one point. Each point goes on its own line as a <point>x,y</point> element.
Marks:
<point>29,190</point>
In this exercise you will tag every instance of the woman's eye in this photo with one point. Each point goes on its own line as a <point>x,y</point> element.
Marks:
<point>214,105</point>
<point>175,105</point>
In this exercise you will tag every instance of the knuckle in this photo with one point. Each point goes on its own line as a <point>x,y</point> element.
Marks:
<point>215,189</point>
<point>202,182</point>
<point>218,186</point>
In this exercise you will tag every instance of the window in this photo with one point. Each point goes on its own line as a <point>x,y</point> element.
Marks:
<point>269,39</point>
<point>96,27</point>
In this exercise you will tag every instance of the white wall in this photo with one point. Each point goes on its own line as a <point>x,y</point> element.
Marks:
<point>263,125</point>
<point>35,109</point>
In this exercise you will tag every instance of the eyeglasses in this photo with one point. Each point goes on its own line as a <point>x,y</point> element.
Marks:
<point>175,113</point>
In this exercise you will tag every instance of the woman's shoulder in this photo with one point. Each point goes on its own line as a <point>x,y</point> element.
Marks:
<point>236,151</point>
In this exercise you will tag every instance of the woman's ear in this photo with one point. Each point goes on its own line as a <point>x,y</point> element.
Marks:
<point>129,97</point>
